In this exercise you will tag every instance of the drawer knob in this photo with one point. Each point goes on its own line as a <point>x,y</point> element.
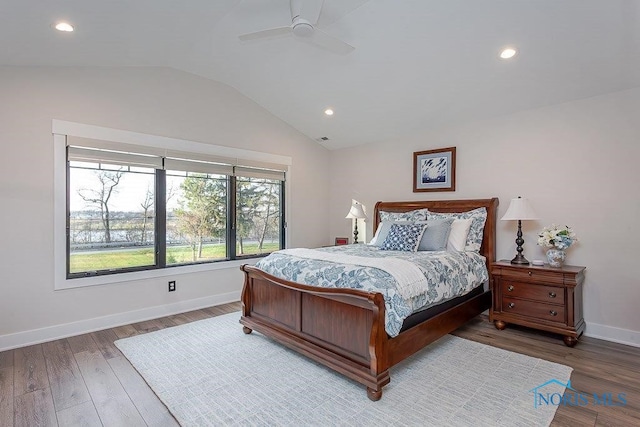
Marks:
<point>510,288</point>
<point>512,304</point>
<point>530,273</point>
<point>553,312</point>
<point>552,294</point>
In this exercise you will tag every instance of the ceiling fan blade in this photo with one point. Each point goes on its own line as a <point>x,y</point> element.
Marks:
<point>311,10</point>
<point>273,32</point>
<point>331,43</point>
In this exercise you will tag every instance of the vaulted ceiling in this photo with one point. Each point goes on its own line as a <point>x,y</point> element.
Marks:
<point>417,64</point>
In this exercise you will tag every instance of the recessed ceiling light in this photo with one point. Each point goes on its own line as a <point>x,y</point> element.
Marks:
<point>64,26</point>
<point>508,53</point>
<point>328,112</point>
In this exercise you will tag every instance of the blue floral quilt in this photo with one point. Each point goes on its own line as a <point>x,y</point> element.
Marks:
<point>449,275</point>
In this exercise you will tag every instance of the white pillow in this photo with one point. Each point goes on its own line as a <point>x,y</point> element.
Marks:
<point>375,237</point>
<point>458,234</point>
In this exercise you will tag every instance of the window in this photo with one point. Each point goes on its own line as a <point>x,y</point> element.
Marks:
<point>258,220</point>
<point>111,218</point>
<point>133,208</point>
<point>196,217</point>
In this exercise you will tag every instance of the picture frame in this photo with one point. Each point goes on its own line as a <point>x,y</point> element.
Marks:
<point>341,241</point>
<point>434,170</point>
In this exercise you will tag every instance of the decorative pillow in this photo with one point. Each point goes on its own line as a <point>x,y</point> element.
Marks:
<point>478,217</point>
<point>458,234</point>
<point>385,227</point>
<point>436,235</point>
<point>415,215</point>
<point>403,237</point>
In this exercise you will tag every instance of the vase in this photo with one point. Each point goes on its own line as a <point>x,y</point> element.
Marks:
<point>556,257</point>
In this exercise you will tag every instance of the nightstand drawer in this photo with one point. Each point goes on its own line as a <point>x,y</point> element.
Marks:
<point>548,294</point>
<point>534,309</point>
<point>533,275</point>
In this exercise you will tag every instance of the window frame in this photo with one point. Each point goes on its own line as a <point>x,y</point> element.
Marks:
<point>233,205</point>
<point>62,129</point>
<point>157,240</point>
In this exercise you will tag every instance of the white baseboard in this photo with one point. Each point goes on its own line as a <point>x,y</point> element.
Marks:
<point>50,333</point>
<point>610,333</point>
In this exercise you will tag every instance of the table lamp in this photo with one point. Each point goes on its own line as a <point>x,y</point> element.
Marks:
<point>356,212</point>
<point>519,210</point>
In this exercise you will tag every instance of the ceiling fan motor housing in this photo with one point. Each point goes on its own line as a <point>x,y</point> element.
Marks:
<point>301,27</point>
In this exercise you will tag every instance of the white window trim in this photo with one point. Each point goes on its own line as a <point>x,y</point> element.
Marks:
<point>61,129</point>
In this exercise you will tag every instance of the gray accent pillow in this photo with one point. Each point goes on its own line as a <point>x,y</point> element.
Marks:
<point>436,235</point>
<point>478,217</point>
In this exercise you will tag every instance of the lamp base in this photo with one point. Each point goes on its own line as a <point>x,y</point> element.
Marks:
<point>355,233</point>
<point>519,260</point>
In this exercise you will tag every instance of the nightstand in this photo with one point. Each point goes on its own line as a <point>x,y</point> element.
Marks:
<point>545,298</point>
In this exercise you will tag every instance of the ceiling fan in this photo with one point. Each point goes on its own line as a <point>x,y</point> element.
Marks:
<point>304,17</point>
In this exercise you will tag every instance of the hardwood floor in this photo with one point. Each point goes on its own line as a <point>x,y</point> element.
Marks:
<point>86,381</point>
<point>598,367</point>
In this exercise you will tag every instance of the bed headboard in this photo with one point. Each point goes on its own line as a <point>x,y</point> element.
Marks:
<point>488,248</point>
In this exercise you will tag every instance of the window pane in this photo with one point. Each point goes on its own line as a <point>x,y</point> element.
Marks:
<point>196,217</point>
<point>258,216</point>
<point>112,219</point>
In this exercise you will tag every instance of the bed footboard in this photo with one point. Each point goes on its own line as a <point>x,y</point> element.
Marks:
<point>341,328</point>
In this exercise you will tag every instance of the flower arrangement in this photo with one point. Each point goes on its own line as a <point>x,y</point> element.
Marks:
<point>558,237</point>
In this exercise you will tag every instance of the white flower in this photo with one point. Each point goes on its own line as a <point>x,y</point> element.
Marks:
<point>559,237</point>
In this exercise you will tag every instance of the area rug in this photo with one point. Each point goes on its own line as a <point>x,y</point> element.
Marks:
<point>209,373</point>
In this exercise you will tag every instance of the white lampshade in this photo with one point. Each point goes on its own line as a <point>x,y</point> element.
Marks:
<point>356,211</point>
<point>519,209</point>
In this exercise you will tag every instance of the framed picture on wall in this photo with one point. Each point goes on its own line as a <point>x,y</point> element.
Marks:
<point>434,170</point>
<point>342,241</point>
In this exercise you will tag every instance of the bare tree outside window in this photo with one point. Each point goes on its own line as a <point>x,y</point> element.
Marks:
<point>100,197</point>
<point>147,206</point>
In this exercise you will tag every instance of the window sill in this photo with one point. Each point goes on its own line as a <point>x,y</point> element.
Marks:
<point>82,282</point>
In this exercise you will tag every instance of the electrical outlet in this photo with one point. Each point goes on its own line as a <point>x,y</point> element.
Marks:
<point>172,286</point>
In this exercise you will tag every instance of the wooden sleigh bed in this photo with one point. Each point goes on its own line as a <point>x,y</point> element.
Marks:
<point>344,329</point>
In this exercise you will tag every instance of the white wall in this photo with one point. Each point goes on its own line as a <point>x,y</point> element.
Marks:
<point>577,162</point>
<point>155,101</point>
